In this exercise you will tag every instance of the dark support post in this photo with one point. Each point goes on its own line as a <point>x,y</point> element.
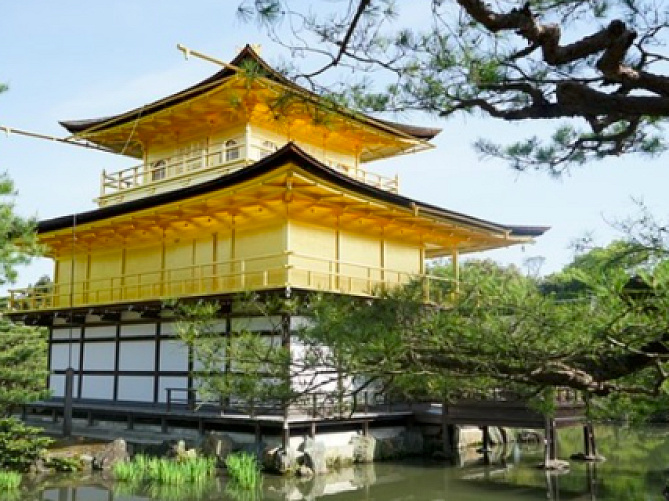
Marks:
<point>365,428</point>
<point>446,431</point>
<point>258,433</point>
<point>589,444</point>
<point>593,442</point>
<point>67,408</point>
<point>312,430</point>
<point>586,440</point>
<point>486,439</point>
<point>486,445</point>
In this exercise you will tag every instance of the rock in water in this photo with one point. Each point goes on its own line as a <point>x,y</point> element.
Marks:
<point>363,448</point>
<point>112,453</point>
<point>218,445</point>
<point>314,456</point>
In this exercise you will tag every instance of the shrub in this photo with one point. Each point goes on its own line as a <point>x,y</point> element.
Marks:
<point>20,445</point>
<point>64,464</point>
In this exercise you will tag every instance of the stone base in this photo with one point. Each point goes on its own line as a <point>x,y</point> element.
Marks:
<point>555,465</point>
<point>580,456</point>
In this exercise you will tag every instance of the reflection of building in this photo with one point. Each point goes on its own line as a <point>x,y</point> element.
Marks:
<point>244,182</point>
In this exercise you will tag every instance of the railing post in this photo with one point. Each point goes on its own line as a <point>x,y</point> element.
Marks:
<point>103,178</point>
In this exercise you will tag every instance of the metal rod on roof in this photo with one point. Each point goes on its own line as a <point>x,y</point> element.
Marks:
<point>190,52</point>
<point>37,135</point>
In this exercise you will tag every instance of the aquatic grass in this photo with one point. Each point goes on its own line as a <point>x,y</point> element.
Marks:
<point>244,470</point>
<point>128,471</point>
<point>10,480</point>
<point>198,470</point>
<point>165,471</point>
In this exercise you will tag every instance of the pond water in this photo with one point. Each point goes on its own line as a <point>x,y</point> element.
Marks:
<point>636,469</point>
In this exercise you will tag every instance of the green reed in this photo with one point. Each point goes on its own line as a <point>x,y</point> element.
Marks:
<point>244,470</point>
<point>10,480</point>
<point>165,471</point>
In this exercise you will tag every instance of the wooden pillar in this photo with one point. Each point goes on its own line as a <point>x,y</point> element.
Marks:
<point>285,343</point>
<point>446,431</point>
<point>550,450</point>
<point>455,256</point>
<point>586,441</point>
<point>486,445</point>
<point>67,407</point>
<point>593,442</point>
<point>258,433</point>
<point>589,444</point>
<point>285,436</point>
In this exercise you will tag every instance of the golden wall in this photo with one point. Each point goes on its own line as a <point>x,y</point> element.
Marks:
<point>272,253</point>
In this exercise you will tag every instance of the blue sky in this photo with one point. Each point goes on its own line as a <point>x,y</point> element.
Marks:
<point>71,60</point>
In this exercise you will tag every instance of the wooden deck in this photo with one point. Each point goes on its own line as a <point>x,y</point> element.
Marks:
<point>508,413</point>
<point>136,416</point>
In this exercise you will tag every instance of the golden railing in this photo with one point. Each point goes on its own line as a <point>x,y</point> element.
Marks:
<point>288,269</point>
<point>221,158</point>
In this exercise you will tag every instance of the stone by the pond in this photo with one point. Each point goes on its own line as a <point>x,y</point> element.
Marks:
<point>218,445</point>
<point>112,453</point>
<point>38,467</point>
<point>363,448</point>
<point>314,456</point>
<point>412,443</point>
<point>305,472</point>
<point>167,449</point>
<point>86,461</point>
<point>278,460</point>
<point>386,448</point>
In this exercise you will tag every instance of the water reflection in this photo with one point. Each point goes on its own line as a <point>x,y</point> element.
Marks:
<point>635,471</point>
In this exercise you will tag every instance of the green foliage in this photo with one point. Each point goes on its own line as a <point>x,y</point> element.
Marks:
<point>20,445</point>
<point>244,366</point>
<point>18,243</point>
<point>244,470</point>
<point>495,58</point>
<point>584,329</point>
<point>23,365</point>
<point>10,480</point>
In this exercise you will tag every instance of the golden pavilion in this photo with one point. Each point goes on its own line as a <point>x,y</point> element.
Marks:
<point>243,182</point>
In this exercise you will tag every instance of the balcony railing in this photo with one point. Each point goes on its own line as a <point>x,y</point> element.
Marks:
<point>287,269</point>
<point>219,159</point>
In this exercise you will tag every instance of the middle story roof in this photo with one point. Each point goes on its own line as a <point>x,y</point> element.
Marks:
<point>295,185</point>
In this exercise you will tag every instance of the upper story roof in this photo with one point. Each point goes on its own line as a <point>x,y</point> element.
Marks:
<point>125,133</point>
